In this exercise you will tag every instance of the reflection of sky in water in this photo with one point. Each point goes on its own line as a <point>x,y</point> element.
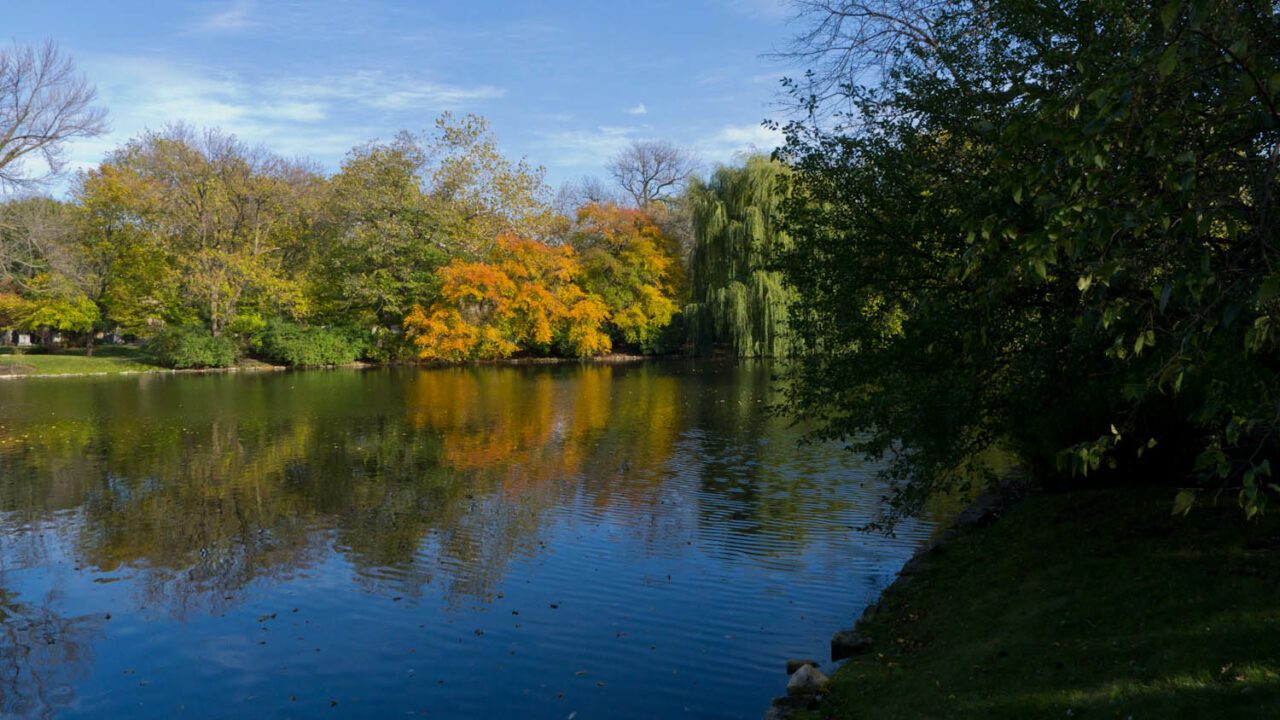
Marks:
<point>631,541</point>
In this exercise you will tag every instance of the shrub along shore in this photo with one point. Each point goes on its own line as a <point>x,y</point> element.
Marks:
<point>1112,608</point>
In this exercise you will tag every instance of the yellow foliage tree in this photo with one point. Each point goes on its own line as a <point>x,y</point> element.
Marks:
<point>632,267</point>
<point>526,297</point>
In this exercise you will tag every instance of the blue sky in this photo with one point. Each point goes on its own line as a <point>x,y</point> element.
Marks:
<point>566,84</point>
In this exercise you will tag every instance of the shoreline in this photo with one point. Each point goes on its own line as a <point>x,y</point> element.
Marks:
<point>847,643</point>
<point>259,366</point>
<point>1090,602</point>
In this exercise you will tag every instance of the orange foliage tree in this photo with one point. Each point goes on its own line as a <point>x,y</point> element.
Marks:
<point>525,297</point>
<point>632,266</point>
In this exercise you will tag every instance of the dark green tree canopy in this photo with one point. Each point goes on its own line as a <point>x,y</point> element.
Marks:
<point>1052,229</point>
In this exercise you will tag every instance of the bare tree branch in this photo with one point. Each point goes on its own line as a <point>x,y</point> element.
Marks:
<point>651,171</point>
<point>33,238</point>
<point>847,42</point>
<point>44,103</point>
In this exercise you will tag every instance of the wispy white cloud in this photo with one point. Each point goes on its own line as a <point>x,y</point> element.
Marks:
<point>321,117</point>
<point>769,78</point>
<point>379,90</point>
<point>732,141</point>
<point>638,110</point>
<point>593,147</point>
<point>230,17</point>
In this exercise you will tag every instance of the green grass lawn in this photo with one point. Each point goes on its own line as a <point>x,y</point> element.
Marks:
<point>106,359</point>
<point>1087,605</point>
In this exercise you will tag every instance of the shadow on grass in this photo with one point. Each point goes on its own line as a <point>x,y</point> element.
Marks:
<point>1092,604</point>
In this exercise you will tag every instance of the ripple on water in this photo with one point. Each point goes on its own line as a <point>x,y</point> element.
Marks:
<point>629,542</point>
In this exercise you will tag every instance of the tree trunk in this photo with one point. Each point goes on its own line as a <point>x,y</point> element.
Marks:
<point>88,344</point>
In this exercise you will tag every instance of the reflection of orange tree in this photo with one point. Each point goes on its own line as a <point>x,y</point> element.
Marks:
<point>611,427</point>
<point>503,422</point>
<point>243,482</point>
<point>523,441</point>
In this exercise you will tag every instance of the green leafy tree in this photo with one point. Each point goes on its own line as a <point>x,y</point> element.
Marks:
<point>56,305</point>
<point>383,244</point>
<point>477,194</point>
<point>738,300</point>
<point>400,211</point>
<point>231,221</point>
<point>1050,228</point>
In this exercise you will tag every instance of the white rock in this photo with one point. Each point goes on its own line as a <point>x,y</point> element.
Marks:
<point>808,680</point>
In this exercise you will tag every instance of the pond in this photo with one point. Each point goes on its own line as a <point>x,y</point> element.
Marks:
<point>586,541</point>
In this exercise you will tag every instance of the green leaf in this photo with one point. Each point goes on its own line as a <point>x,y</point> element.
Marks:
<point>1183,501</point>
<point>1269,290</point>
<point>1168,61</point>
<point>1165,294</point>
<point>1169,14</point>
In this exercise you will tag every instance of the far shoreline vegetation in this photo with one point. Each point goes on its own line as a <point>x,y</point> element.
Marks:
<point>434,248</point>
<point>128,359</point>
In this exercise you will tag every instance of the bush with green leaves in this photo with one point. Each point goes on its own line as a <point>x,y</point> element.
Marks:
<point>1052,227</point>
<point>190,346</point>
<point>297,345</point>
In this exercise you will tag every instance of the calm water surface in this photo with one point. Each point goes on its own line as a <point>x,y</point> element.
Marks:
<point>616,542</point>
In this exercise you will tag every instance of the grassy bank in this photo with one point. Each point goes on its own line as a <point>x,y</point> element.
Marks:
<point>113,359</point>
<point>106,359</point>
<point>1086,605</point>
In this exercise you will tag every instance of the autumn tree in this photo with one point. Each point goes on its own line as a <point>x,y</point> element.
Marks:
<point>525,297</point>
<point>44,104</point>
<point>227,218</point>
<point>57,304</point>
<point>399,211</point>
<point>120,262</point>
<point>633,267</point>
<point>476,194</point>
<point>43,260</point>
<point>14,309</point>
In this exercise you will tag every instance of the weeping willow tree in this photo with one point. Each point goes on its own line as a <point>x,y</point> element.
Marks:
<point>737,304</point>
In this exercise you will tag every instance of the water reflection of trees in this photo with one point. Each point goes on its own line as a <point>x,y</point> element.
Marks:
<point>205,484</point>
<point>43,653</point>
